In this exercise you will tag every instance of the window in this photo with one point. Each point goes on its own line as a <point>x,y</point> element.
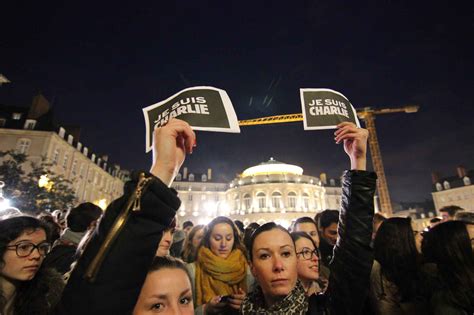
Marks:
<point>82,170</point>
<point>332,182</point>
<point>261,199</point>
<point>190,197</point>
<point>3,121</point>
<point>16,116</point>
<point>30,124</point>
<point>23,146</point>
<point>65,160</point>
<point>247,201</point>
<point>276,199</point>
<point>55,156</point>
<point>73,167</point>
<point>305,201</point>
<point>236,202</point>
<point>292,199</point>
<point>446,185</point>
<point>467,181</point>
<point>191,177</point>
<point>178,177</point>
<point>439,187</point>
<point>204,178</point>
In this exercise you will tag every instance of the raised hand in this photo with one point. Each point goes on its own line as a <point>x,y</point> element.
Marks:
<point>355,143</point>
<point>171,143</point>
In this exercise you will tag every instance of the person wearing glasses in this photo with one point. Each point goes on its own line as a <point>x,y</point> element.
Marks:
<point>26,286</point>
<point>308,262</point>
<point>273,255</point>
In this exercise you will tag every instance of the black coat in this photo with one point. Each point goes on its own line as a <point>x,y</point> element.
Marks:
<point>124,269</point>
<point>353,257</point>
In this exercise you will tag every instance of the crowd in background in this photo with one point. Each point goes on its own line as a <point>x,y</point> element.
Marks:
<point>346,261</point>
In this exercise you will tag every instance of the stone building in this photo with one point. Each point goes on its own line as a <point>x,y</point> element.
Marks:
<point>32,131</point>
<point>270,191</point>
<point>454,190</point>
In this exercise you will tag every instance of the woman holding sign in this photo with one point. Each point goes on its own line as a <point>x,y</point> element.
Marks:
<point>273,257</point>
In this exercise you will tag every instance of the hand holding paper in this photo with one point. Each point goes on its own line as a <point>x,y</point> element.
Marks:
<point>170,145</point>
<point>355,144</point>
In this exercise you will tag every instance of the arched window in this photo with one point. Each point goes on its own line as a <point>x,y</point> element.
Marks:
<point>439,187</point>
<point>276,200</point>
<point>178,177</point>
<point>191,177</point>
<point>247,201</point>
<point>446,185</point>
<point>305,201</point>
<point>467,181</point>
<point>332,182</point>
<point>203,178</point>
<point>291,199</point>
<point>261,199</point>
<point>23,146</point>
<point>236,202</point>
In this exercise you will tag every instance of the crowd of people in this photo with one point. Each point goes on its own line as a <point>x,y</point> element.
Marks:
<point>136,259</point>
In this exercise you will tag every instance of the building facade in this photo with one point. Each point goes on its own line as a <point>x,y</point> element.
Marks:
<point>455,190</point>
<point>31,131</point>
<point>270,191</point>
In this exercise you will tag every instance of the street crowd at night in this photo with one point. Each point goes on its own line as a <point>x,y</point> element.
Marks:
<point>137,257</point>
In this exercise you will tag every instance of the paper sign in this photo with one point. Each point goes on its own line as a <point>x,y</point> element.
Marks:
<point>203,107</point>
<point>325,109</point>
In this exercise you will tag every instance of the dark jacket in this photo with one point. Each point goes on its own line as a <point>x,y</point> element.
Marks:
<point>353,256</point>
<point>124,269</point>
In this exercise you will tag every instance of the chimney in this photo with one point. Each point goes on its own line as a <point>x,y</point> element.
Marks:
<point>461,171</point>
<point>185,173</point>
<point>434,177</point>
<point>39,107</point>
<point>209,174</point>
<point>323,178</point>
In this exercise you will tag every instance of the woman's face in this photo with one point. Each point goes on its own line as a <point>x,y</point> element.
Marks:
<point>418,237</point>
<point>165,291</point>
<point>23,268</point>
<point>470,231</point>
<point>274,264</point>
<point>165,243</point>
<point>222,240</point>
<point>197,238</point>
<point>308,269</point>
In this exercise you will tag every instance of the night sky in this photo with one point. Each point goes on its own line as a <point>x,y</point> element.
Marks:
<point>101,64</point>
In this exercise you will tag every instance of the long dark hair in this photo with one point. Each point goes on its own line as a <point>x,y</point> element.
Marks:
<point>395,250</point>
<point>189,252</point>
<point>449,246</point>
<point>208,231</point>
<point>37,290</point>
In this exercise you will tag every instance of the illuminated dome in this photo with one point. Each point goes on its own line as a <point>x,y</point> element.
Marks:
<point>272,167</point>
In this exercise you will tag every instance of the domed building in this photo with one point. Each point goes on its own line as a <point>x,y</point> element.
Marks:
<point>279,192</point>
<point>271,191</point>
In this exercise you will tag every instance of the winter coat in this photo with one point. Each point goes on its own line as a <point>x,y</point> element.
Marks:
<point>353,257</point>
<point>124,269</point>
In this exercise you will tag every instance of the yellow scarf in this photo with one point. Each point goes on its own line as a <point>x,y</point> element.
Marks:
<point>219,276</point>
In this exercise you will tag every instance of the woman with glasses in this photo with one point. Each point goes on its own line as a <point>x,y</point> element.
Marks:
<point>25,286</point>
<point>273,254</point>
<point>308,262</point>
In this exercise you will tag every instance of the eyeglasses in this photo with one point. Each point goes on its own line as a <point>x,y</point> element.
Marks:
<point>25,249</point>
<point>308,253</point>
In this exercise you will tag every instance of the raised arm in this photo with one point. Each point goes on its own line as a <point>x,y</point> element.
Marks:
<point>121,275</point>
<point>353,257</point>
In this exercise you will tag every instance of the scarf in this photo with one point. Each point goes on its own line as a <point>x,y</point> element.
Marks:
<point>219,276</point>
<point>295,303</point>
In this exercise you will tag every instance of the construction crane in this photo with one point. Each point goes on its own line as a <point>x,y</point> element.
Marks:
<point>368,115</point>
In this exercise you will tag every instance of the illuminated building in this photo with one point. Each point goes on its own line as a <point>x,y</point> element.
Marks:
<point>270,191</point>
<point>455,190</point>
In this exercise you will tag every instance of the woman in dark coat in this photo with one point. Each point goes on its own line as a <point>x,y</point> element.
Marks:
<point>273,256</point>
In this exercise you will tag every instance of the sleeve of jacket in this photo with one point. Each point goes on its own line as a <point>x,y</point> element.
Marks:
<point>125,267</point>
<point>353,256</point>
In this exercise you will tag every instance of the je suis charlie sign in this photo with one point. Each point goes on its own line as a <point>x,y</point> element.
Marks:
<point>203,107</point>
<point>325,109</point>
